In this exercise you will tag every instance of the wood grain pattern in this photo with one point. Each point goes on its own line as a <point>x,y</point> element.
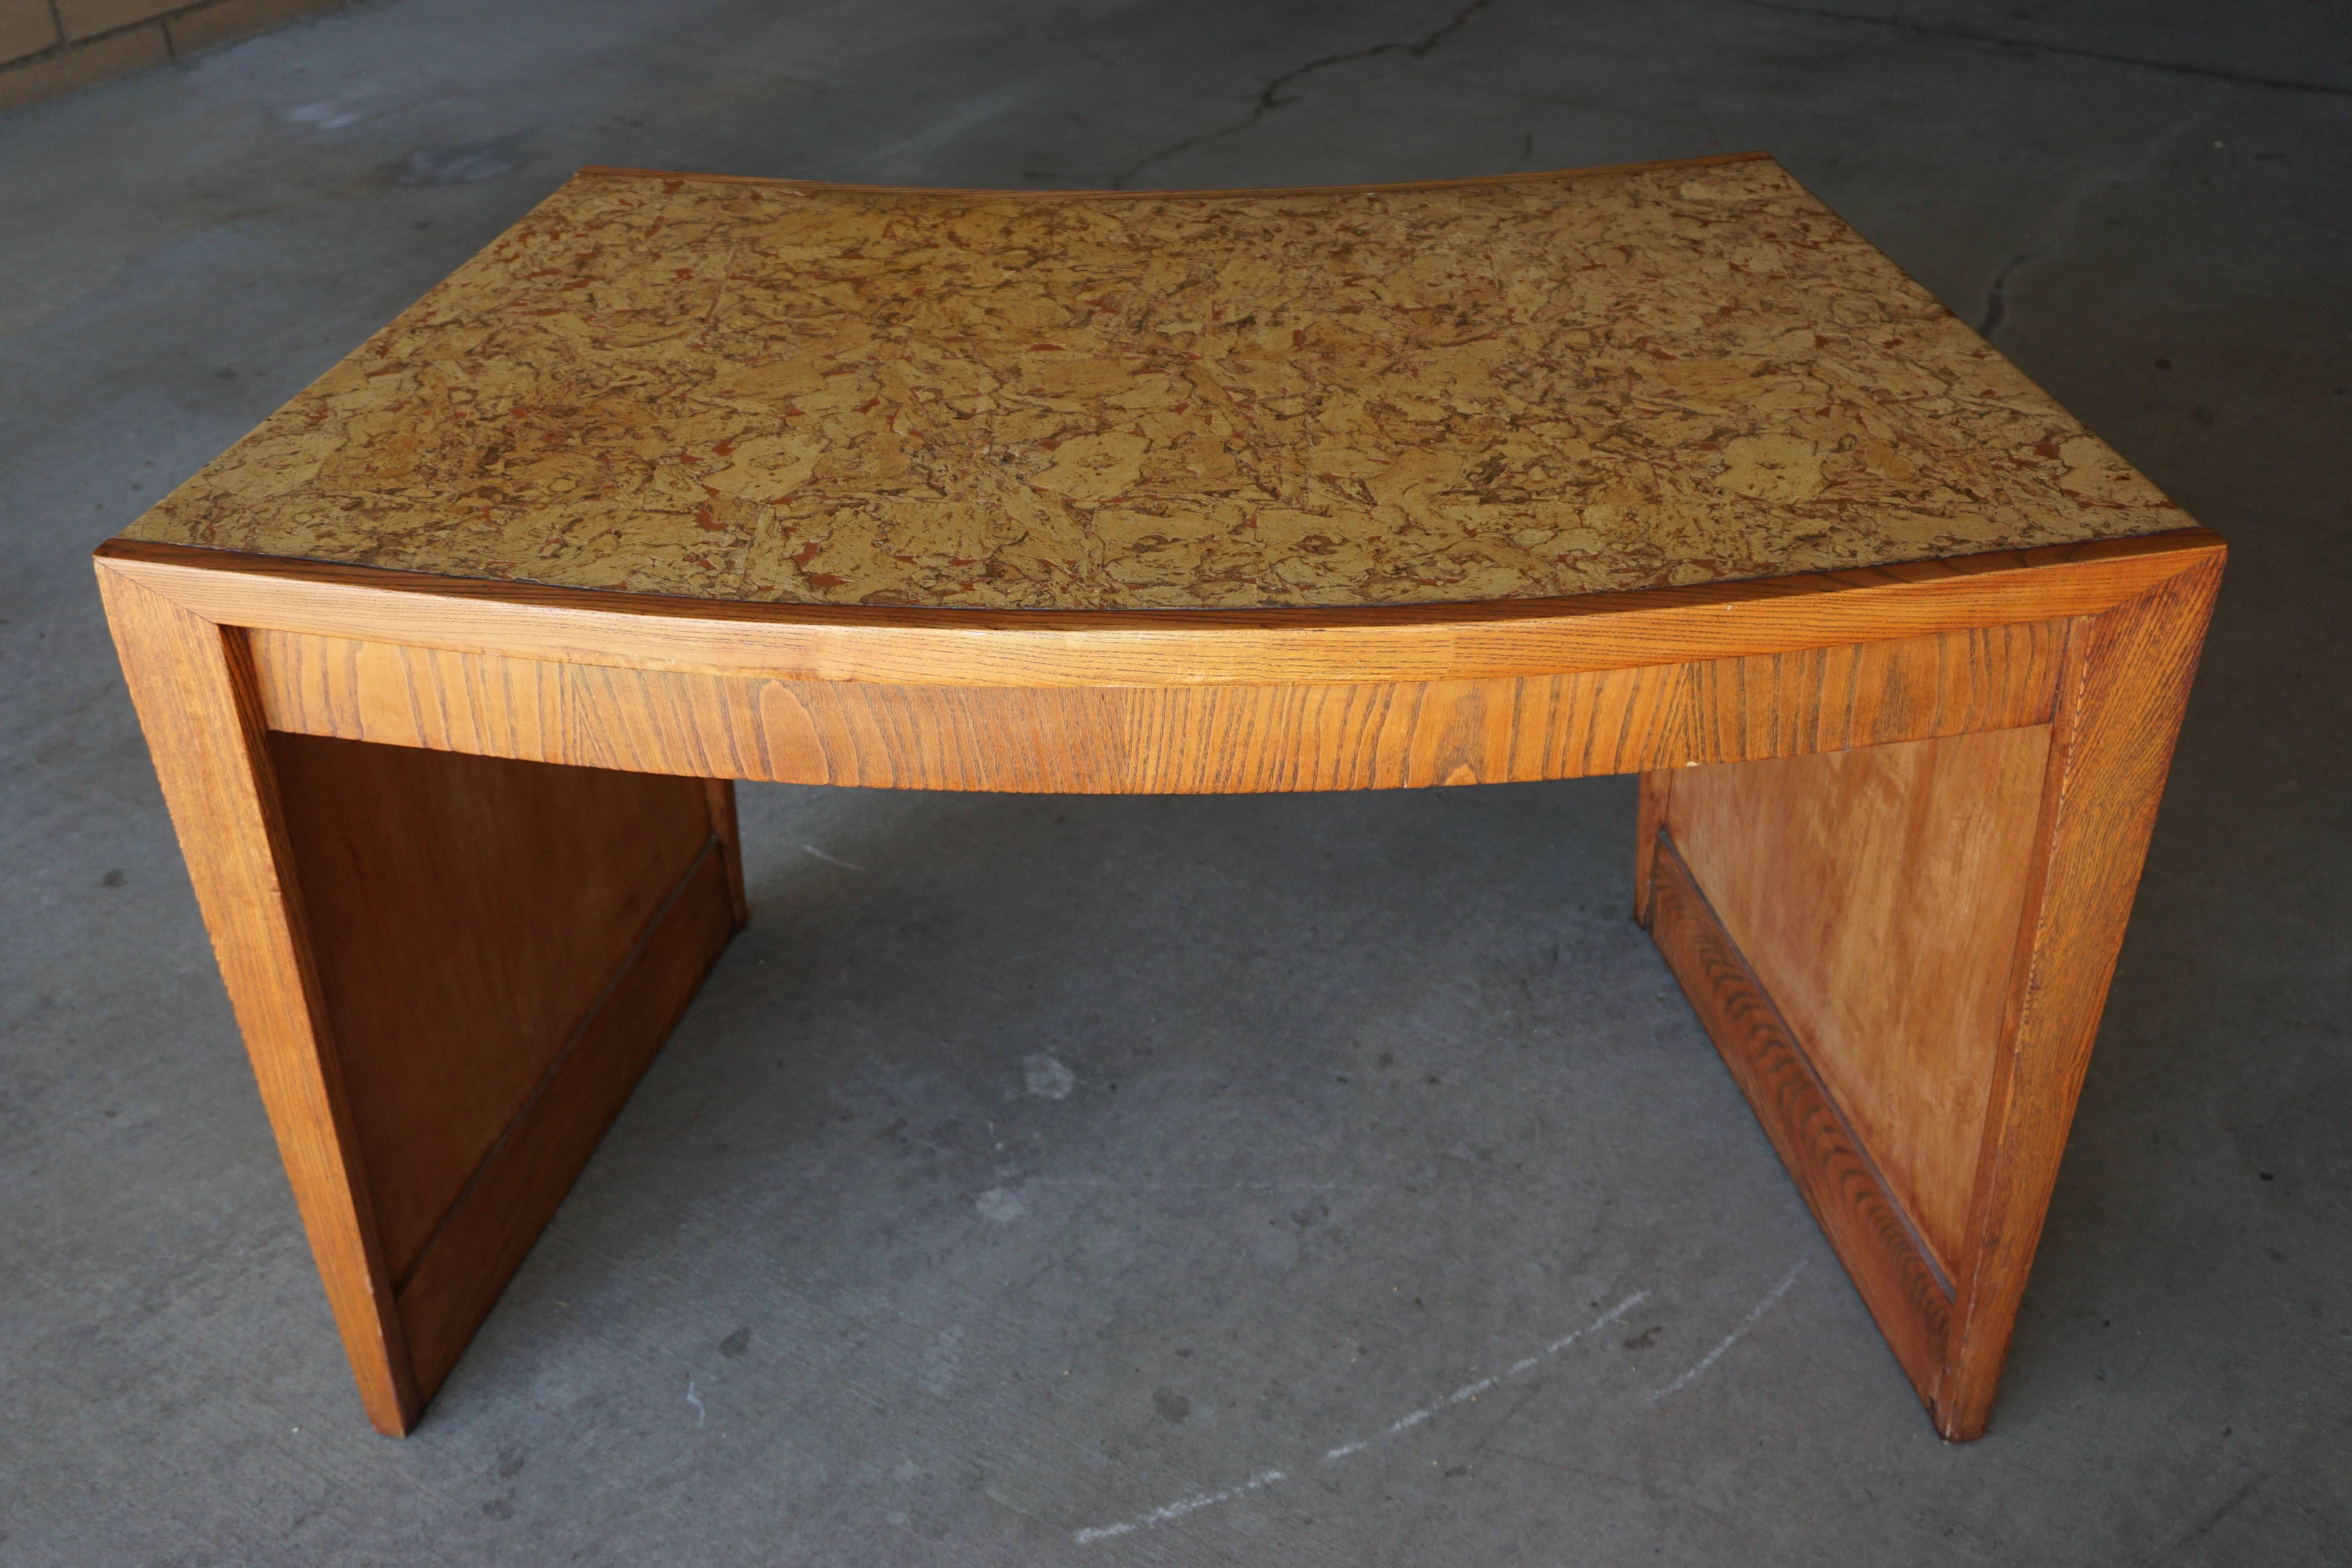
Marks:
<point>191,683</point>
<point>2094,641</point>
<point>458,1276</point>
<point>1876,894</point>
<point>1821,1150</point>
<point>406,984</point>
<point>1552,383</point>
<point>1155,648</point>
<point>466,913</point>
<point>1184,739</point>
<point>2121,695</point>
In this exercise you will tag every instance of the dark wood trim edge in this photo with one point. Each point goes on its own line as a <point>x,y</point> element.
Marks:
<point>604,171</point>
<point>1866,1226</point>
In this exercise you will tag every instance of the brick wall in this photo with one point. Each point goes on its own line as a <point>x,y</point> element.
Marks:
<point>53,46</point>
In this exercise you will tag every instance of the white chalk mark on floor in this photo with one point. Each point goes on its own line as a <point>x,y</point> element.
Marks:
<point>1002,1204</point>
<point>700,1412</point>
<point>327,114</point>
<point>1755,1315</point>
<point>1047,1079</point>
<point>831,859</point>
<point>953,126</point>
<point>1177,1509</point>
<point>942,1358</point>
<point>1122,1183</point>
<point>1093,1534</point>
<point>1472,1390</point>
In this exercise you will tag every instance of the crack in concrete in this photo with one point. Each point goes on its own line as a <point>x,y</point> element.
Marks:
<point>1970,35</point>
<point>1997,295</point>
<point>2057,231</point>
<point>1270,98</point>
<point>2227,1506</point>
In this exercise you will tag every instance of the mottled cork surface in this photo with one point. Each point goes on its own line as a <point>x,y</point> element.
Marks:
<point>1548,384</point>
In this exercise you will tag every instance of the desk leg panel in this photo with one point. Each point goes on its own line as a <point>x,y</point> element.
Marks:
<point>489,1229</point>
<point>501,947</point>
<point>1863,1219</point>
<point>1878,894</point>
<point>2122,690</point>
<point>1903,951</point>
<point>449,972</point>
<point>1844,923</point>
<point>192,682</point>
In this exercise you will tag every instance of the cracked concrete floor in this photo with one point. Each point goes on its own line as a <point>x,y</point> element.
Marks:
<point>1036,1169</point>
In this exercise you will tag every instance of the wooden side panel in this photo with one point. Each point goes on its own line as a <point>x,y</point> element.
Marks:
<point>467,913</point>
<point>469,1260</point>
<point>1993,872</point>
<point>1828,1163</point>
<point>192,682</point>
<point>2121,693</point>
<point>1177,740</point>
<point>1876,893</point>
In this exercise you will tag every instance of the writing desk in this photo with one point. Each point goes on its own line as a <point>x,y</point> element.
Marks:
<point>446,668</point>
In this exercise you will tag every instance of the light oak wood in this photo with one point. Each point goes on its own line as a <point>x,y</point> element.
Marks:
<point>1904,785</point>
<point>1660,470</point>
<point>1099,649</point>
<point>1824,1154</point>
<point>1946,879</point>
<point>1876,894</point>
<point>191,683</point>
<point>1181,739</point>
<point>2120,698</point>
<point>450,970</point>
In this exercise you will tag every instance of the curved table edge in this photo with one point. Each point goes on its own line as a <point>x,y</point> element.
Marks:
<point>1116,648</point>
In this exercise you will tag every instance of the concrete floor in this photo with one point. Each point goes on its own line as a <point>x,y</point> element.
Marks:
<point>1034,1166</point>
